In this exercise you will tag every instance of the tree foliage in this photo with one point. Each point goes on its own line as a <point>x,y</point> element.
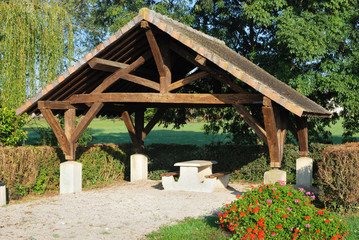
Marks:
<point>10,127</point>
<point>35,46</point>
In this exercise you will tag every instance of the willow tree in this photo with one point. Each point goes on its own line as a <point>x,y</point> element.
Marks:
<point>35,46</point>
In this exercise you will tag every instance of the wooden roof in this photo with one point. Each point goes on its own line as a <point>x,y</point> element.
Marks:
<point>130,44</point>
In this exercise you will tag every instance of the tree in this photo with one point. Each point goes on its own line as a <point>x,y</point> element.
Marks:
<point>35,46</point>
<point>310,45</point>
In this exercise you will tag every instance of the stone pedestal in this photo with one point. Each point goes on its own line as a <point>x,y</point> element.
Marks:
<point>274,175</point>
<point>2,194</point>
<point>70,177</point>
<point>304,172</point>
<point>139,167</point>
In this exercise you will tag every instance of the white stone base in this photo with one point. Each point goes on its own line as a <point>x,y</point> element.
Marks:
<point>139,167</point>
<point>2,194</point>
<point>304,172</point>
<point>70,177</point>
<point>274,175</point>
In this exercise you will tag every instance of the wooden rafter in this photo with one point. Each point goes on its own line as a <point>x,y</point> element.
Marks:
<point>141,81</point>
<point>119,73</point>
<point>220,99</point>
<point>60,105</point>
<point>187,80</point>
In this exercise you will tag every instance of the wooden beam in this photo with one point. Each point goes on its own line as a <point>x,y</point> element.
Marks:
<point>70,125</point>
<point>237,98</point>
<point>154,48</point>
<point>61,105</point>
<point>153,122</point>
<point>119,73</point>
<point>165,80</point>
<point>57,129</point>
<point>141,81</point>
<point>253,123</point>
<point>220,76</point>
<point>271,130</point>
<point>86,120</point>
<point>302,133</point>
<point>130,127</point>
<point>106,65</point>
<point>281,116</point>
<point>187,80</point>
<point>139,126</point>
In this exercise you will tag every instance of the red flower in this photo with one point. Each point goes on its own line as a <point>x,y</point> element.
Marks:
<point>238,196</point>
<point>327,221</point>
<point>279,226</point>
<point>219,214</point>
<point>284,200</point>
<point>317,231</point>
<point>334,238</point>
<point>295,235</point>
<point>285,216</point>
<point>289,194</point>
<point>242,214</point>
<point>255,210</point>
<point>249,229</point>
<point>307,218</point>
<point>252,236</point>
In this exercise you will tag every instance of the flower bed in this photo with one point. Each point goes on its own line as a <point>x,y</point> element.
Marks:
<point>279,212</point>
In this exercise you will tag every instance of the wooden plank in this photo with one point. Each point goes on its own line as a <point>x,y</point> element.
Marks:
<point>302,133</point>
<point>253,123</point>
<point>272,139</point>
<point>130,127</point>
<point>187,80</point>
<point>86,120</point>
<point>106,65</point>
<point>70,125</point>
<point>218,75</point>
<point>153,122</point>
<point>119,73</point>
<point>62,105</point>
<point>57,129</point>
<point>237,98</point>
<point>139,126</point>
<point>216,175</point>
<point>281,117</point>
<point>165,80</point>
<point>141,81</point>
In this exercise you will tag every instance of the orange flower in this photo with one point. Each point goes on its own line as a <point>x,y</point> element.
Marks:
<point>289,194</point>
<point>320,213</point>
<point>327,221</point>
<point>317,231</point>
<point>279,226</point>
<point>285,216</point>
<point>256,210</point>
<point>307,218</point>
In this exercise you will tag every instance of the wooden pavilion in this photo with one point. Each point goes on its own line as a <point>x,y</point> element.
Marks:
<point>146,63</point>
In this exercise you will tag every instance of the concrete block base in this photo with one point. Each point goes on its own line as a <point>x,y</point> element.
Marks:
<point>70,177</point>
<point>304,172</point>
<point>139,167</point>
<point>2,194</point>
<point>274,175</point>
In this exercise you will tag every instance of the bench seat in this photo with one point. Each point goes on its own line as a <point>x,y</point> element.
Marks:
<point>169,174</point>
<point>216,175</point>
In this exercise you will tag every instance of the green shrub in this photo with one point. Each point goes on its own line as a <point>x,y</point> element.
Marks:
<point>338,177</point>
<point>10,127</point>
<point>279,212</point>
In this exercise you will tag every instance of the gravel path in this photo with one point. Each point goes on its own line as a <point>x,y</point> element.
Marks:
<point>123,211</point>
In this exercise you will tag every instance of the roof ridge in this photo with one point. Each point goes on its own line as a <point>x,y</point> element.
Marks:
<point>146,14</point>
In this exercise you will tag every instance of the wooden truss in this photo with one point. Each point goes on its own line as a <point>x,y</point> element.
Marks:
<point>162,94</point>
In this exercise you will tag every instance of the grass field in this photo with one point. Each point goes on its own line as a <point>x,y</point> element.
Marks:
<point>114,131</point>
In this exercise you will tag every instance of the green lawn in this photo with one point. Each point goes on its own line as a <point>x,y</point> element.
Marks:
<point>115,131</point>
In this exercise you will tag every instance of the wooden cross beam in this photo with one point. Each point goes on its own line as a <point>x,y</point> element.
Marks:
<point>187,80</point>
<point>216,99</point>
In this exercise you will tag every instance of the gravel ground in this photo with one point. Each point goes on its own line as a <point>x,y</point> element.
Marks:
<point>122,211</point>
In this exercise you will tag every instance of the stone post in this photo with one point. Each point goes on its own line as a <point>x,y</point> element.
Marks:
<point>274,175</point>
<point>139,167</point>
<point>304,172</point>
<point>70,177</point>
<point>2,194</point>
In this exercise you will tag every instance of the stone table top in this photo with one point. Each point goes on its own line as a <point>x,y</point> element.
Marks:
<point>195,163</point>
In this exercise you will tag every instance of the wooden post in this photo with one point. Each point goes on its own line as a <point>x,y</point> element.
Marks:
<point>271,130</point>
<point>302,133</point>
<point>70,125</point>
<point>139,126</point>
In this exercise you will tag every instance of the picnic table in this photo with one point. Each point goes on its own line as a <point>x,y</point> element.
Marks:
<point>196,176</point>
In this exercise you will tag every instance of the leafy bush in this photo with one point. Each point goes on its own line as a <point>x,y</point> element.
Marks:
<point>279,212</point>
<point>10,127</point>
<point>338,177</point>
